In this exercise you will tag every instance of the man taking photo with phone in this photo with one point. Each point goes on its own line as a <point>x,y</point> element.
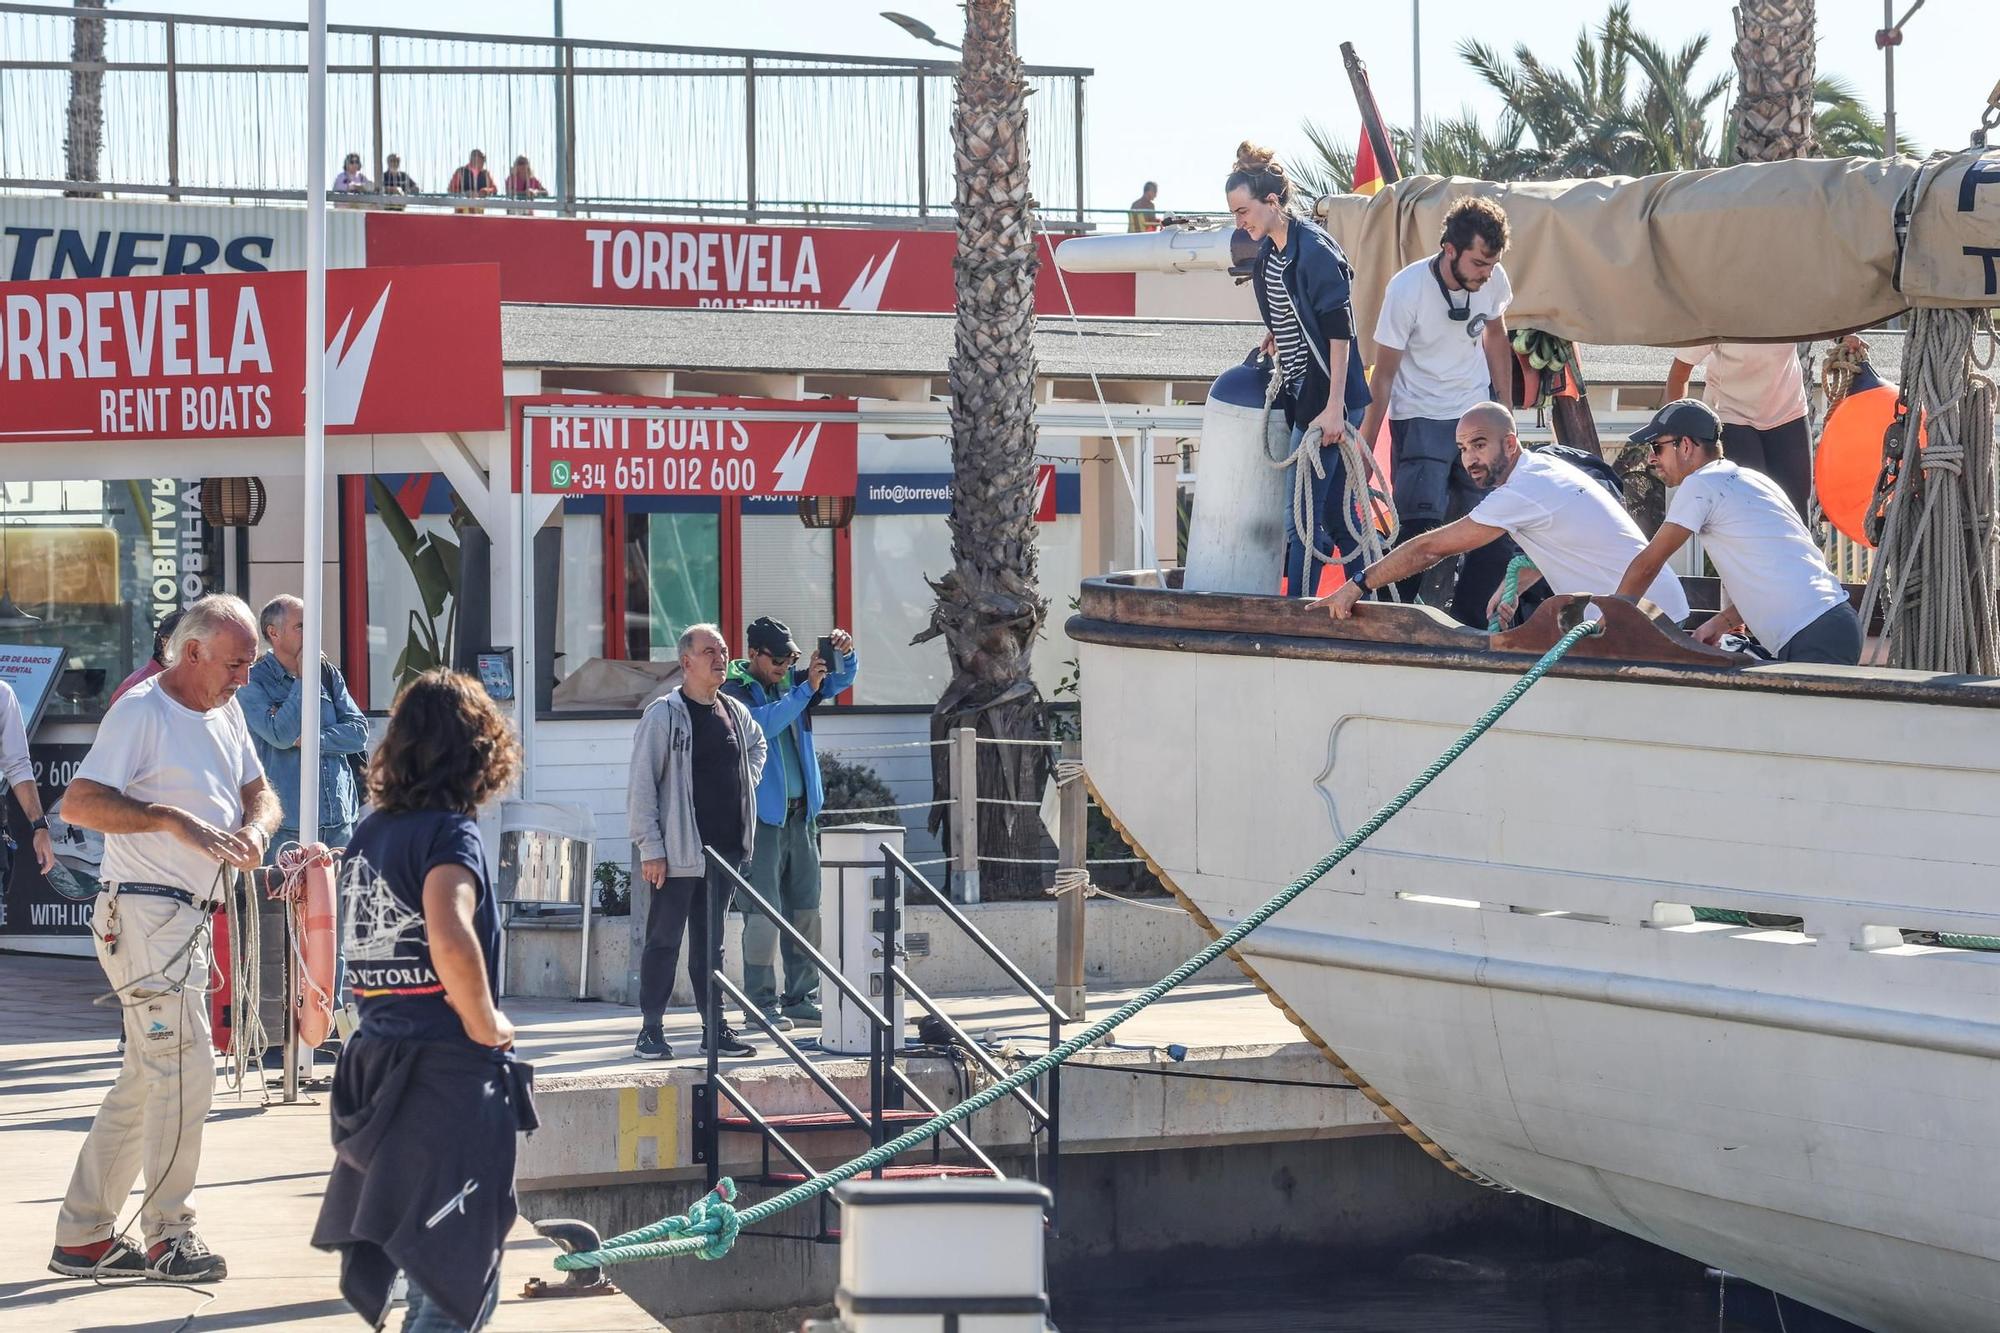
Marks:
<point>784,867</point>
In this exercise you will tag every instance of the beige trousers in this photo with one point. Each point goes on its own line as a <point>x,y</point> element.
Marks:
<point>151,1120</point>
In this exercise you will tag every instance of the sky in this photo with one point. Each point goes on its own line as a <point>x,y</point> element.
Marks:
<point>1176,87</point>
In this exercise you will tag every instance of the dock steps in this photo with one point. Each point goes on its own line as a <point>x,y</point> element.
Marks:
<point>917,1171</point>
<point>810,1121</point>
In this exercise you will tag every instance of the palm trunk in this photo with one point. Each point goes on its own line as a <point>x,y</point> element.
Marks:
<point>1774,80</point>
<point>84,145</point>
<point>988,609</point>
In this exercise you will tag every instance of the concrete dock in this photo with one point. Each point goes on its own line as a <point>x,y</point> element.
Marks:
<point>1209,1103</point>
<point>262,1172</point>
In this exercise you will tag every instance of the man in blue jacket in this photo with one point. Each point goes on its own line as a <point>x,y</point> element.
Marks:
<point>785,865</point>
<point>273,704</point>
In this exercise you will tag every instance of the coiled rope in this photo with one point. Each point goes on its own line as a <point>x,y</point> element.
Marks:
<point>1363,497</point>
<point>1935,572</point>
<point>712,1224</point>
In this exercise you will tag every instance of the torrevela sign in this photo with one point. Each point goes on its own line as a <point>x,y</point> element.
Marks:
<point>690,446</point>
<point>220,356</point>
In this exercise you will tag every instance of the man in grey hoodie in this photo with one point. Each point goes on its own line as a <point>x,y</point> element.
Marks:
<point>696,758</point>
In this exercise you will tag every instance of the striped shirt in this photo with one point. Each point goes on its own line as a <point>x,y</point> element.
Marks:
<point>1294,357</point>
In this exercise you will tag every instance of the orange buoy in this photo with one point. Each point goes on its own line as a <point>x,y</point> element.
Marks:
<point>316,927</point>
<point>1848,462</point>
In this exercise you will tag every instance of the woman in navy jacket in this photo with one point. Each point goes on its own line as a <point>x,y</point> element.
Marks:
<point>1303,285</point>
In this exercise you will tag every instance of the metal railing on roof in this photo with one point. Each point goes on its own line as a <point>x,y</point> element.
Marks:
<point>207,107</point>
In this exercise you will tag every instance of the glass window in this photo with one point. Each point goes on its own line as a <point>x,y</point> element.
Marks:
<point>673,573</point>
<point>412,547</point>
<point>787,574</point>
<point>580,589</point>
<point>93,566</point>
<point>892,602</point>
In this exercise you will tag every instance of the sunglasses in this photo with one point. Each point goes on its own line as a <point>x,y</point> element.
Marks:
<point>1664,443</point>
<point>786,660</point>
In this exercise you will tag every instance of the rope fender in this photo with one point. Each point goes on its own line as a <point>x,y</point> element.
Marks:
<point>711,1225</point>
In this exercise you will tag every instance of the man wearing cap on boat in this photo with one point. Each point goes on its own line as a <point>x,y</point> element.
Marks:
<point>1771,568</point>
<point>1580,538</point>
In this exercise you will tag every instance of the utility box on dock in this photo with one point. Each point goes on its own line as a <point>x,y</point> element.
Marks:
<point>866,929</point>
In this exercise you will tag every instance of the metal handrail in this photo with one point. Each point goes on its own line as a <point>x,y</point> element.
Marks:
<point>972,1048</point>
<point>958,1135</point>
<point>763,1127</point>
<point>841,1100</point>
<point>986,946</point>
<point>792,933</point>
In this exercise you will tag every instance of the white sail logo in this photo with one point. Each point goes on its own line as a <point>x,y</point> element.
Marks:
<point>866,293</point>
<point>347,364</point>
<point>374,924</point>
<point>797,459</point>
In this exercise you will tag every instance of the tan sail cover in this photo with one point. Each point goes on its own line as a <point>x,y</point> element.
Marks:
<point>1761,251</point>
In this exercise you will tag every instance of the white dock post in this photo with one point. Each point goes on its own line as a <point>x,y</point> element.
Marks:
<point>960,1252</point>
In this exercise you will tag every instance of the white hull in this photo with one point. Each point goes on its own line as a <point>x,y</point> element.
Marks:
<point>1814,1110</point>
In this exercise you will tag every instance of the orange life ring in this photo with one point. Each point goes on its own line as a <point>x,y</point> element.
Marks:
<point>316,926</point>
<point>1848,462</point>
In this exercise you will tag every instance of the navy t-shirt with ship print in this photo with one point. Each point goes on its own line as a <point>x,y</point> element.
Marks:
<point>383,936</point>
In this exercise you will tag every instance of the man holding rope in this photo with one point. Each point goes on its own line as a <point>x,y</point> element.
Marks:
<point>174,784</point>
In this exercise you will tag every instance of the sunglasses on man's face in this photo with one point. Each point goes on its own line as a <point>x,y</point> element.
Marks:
<point>1664,443</point>
<point>786,660</point>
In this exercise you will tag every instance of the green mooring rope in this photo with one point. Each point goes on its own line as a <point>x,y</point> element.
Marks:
<point>1510,588</point>
<point>711,1226</point>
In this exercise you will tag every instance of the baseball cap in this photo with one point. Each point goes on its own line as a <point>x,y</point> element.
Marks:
<point>772,637</point>
<point>1690,418</point>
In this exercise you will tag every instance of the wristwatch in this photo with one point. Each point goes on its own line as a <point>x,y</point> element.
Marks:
<point>38,824</point>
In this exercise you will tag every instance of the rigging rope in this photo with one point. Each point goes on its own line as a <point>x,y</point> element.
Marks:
<point>1363,493</point>
<point>712,1224</point>
<point>1937,562</point>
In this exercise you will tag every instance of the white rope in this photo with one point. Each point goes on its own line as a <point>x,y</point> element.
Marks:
<point>1363,494</point>
<point>1068,771</point>
<point>1139,520</point>
<point>886,809</point>
<point>1937,566</point>
<point>1078,881</point>
<point>1001,800</point>
<point>1003,740</point>
<point>883,749</point>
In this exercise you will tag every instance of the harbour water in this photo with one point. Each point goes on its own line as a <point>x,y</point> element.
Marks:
<point>1348,1302</point>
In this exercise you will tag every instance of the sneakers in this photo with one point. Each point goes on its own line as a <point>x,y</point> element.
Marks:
<point>652,1045</point>
<point>184,1258</point>
<point>777,1019</point>
<point>105,1258</point>
<point>805,1011</point>
<point>727,1043</point>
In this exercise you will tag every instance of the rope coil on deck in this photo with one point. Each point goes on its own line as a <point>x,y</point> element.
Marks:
<point>709,1227</point>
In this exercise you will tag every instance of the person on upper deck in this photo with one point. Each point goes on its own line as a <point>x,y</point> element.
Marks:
<point>1580,538</point>
<point>1771,568</point>
<point>1303,283</point>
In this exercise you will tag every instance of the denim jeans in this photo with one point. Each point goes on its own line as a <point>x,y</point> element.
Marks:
<point>423,1316</point>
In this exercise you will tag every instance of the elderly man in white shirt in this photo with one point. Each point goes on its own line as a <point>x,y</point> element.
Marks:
<point>1580,538</point>
<point>1778,583</point>
<point>174,784</point>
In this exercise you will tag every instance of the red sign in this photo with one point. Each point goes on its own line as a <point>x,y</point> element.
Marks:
<point>582,261</point>
<point>1045,492</point>
<point>689,446</point>
<point>223,356</point>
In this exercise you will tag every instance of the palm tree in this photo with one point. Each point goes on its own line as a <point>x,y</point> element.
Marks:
<point>1626,105</point>
<point>1775,89</point>
<point>988,610</point>
<point>84,143</point>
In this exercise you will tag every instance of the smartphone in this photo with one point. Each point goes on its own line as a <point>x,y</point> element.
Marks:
<point>826,653</point>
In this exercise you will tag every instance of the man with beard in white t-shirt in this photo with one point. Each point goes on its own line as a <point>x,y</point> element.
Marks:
<point>1777,581</point>
<point>174,785</point>
<point>1580,538</point>
<point>1440,348</point>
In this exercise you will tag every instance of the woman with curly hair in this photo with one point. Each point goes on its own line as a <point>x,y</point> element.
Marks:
<point>427,1097</point>
<point>1302,281</point>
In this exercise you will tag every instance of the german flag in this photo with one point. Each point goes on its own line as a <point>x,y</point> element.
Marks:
<point>1367,174</point>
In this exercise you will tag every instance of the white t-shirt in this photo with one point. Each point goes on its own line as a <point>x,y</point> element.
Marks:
<point>1773,572</point>
<point>152,749</point>
<point>1580,538</point>
<point>1758,385</point>
<point>1444,373</point>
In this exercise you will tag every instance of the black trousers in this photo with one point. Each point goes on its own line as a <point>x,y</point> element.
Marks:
<point>676,912</point>
<point>1782,453</point>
